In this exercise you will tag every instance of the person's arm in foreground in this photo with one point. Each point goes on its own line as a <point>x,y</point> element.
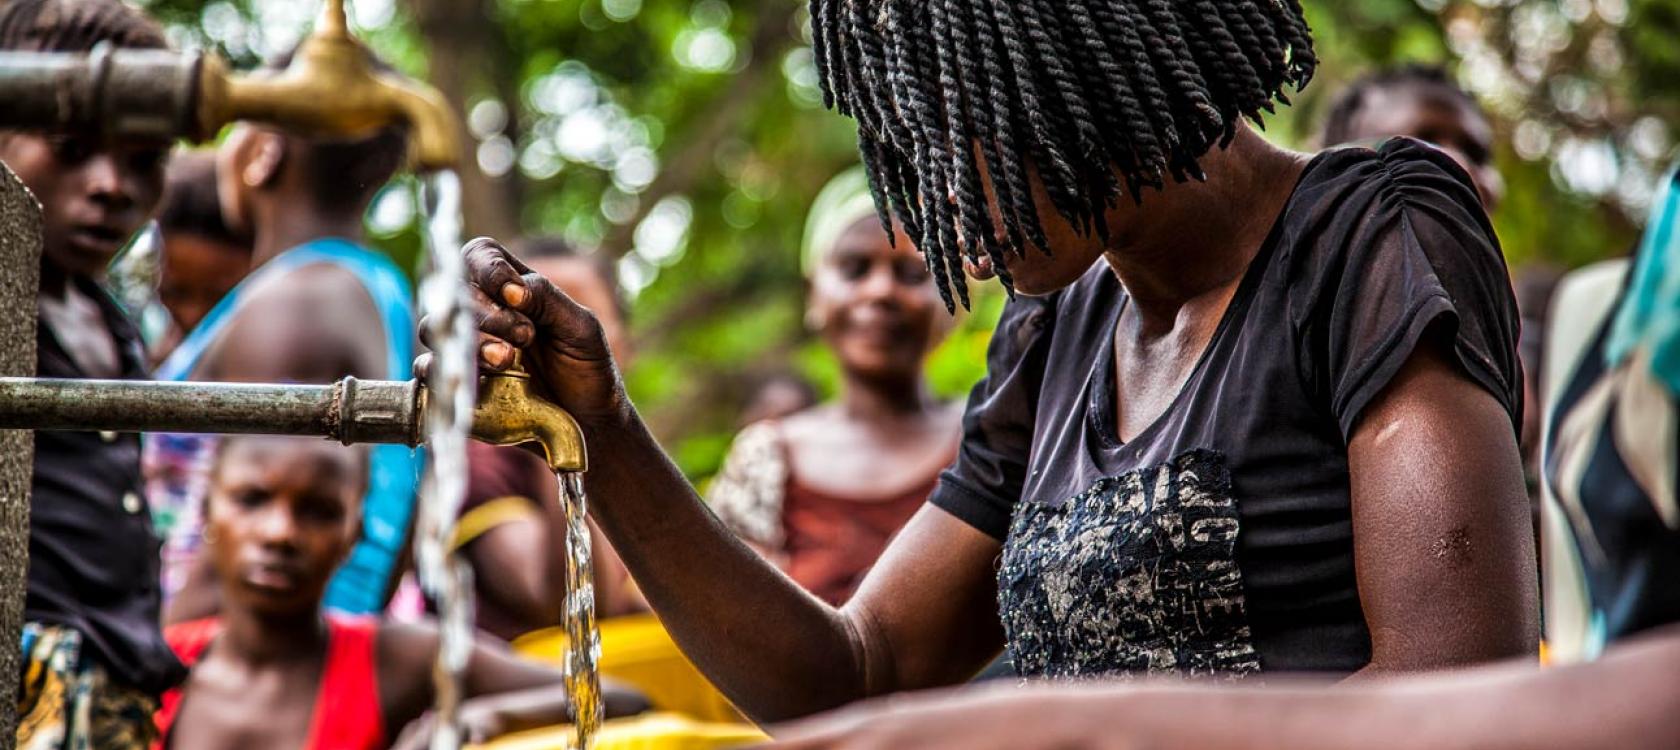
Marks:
<point>925,617</point>
<point>1627,701</point>
<point>1443,544</point>
<point>502,692</point>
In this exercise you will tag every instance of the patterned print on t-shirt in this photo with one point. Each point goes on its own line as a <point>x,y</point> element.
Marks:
<point>1136,575</point>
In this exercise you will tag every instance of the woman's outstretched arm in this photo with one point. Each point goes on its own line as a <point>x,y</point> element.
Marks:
<point>1627,701</point>
<point>502,692</point>
<point>925,617</point>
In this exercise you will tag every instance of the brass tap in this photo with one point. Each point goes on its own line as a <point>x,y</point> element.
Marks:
<point>331,89</point>
<point>508,413</point>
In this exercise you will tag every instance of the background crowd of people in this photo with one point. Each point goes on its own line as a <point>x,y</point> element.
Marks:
<point>1248,412</point>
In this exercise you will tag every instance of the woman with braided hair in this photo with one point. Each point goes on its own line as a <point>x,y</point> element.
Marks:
<point>1250,412</point>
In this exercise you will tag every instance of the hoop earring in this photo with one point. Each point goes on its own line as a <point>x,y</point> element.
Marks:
<point>208,535</point>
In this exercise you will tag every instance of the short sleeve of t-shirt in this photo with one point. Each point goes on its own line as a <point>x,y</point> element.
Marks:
<point>1403,251</point>
<point>984,484</point>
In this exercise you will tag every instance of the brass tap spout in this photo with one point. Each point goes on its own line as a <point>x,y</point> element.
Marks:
<point>331,89</point>
<point>508,413</point>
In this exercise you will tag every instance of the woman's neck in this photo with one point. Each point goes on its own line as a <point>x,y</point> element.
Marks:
<point>866,399</point>
<point>1201,236</point>
<point>263,639</point>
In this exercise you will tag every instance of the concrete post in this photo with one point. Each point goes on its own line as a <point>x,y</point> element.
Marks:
<point>20,271</point>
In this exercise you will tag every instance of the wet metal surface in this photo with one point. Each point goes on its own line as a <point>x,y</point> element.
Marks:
<point>121,94</point>
<point>124,94</point>
<point>20,253</point>
<point>350,411</point>
<point>509,413</point>
<point>331,89</point>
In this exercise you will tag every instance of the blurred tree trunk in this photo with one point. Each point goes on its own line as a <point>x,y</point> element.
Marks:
<point>468,58</point>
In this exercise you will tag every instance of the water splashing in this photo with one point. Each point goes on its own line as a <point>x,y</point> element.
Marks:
<point>583,638</point>
<point>452,392</point>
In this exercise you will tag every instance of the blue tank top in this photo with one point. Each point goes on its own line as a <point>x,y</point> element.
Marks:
<point>178,465</point>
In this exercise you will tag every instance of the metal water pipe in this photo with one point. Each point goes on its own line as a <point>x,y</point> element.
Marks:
<point>349,411</point>
<point>330,89</point>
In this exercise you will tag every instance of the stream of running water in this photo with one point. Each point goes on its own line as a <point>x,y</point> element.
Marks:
<point>452,392</point>
<point>583,637</point>
<point>452,388</point>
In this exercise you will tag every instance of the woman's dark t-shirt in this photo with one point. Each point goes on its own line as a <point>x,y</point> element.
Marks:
<point>1220,539</point>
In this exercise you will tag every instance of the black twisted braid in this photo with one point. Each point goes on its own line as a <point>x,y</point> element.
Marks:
<point>1261,42</point>
<point>1181,69</point>
<point>960,156</point>
<point>1236,64</point>
<point>1109,78</point>
<point>862,51</point>
<point>1009,181</point>
<point>1084,100</point>
<point>883,122</point>
<point>907,140</point>
<point>1106,78</point>
<point>888,186</point>
<point>1302,60</point>
<point>1069,110</point>
<point>909,208</point>
<point>972,84</point>
<point>939,232</point>
<point>1045,147</point>
<point>1223,84</point>
<point>821,17</point>
<point>880,190</point>
<point>1149,118</point>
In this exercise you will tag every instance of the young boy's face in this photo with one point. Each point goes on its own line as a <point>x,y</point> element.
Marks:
<point>93,196</point>
<point>283,514</point>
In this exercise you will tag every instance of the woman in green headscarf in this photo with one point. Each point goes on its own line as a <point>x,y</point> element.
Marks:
<point>821,491</point>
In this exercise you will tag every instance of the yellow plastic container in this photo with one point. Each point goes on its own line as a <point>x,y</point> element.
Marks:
<point>638,652</point>
<point>650,732</point>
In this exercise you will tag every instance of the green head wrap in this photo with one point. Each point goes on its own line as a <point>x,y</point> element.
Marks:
<point>845,201</point>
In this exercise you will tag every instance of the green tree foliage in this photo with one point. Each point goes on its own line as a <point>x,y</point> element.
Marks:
<point>686,138</point>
